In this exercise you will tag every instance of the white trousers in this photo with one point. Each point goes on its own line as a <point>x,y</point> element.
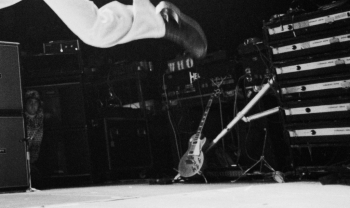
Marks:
<point>112,24</point>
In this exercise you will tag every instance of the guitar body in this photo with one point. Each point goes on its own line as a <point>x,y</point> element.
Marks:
<point>192,161</point>
<point>190,164</point>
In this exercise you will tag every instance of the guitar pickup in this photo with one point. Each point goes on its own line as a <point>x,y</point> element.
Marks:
<point>189,162</point>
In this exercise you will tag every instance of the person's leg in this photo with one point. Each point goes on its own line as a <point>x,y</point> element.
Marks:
<point>116,23</point>
<point>183,30</point>
<point>7,3</point>
<point>112,24</point>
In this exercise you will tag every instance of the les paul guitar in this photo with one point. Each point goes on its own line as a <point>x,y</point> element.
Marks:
<point>192,161</point>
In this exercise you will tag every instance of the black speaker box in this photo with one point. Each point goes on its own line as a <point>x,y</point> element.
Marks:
<point>65,152</point>
<point>129,145</point>
<point>63,104</point>
<point>10,77</point>
<point>65,149</point>
<point>13,168</point>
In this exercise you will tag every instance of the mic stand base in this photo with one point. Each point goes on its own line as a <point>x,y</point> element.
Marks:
<point>276,174</point>
<point>29,174</point>
<point>32,190</point>
<point>261,161</point>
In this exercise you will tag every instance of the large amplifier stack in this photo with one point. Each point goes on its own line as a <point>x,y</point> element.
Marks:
<point>13,166</point>
<point>310,54</point>
<point>57,75</point>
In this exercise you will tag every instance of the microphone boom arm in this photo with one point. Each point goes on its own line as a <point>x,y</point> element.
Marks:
<point>242,113</point>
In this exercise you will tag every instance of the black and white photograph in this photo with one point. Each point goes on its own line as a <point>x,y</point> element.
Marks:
<point>175,103</point>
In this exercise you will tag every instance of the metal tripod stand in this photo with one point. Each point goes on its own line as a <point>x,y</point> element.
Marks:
<point>262,161</point>
<point>241,115</point>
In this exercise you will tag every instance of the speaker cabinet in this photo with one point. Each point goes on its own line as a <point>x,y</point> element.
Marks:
<point>65,149</point>
<point>13,168</point>
<point>63,104</point>
<point>128,145</point>
<point>10,77</point>
<point>65,152</point>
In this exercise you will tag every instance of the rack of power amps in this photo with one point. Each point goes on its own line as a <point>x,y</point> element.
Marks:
<point>310,54</point>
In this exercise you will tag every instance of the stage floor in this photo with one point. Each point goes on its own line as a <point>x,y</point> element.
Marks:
<point>227,194</point>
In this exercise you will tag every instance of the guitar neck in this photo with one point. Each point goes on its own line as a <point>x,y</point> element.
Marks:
<point>205,114</point>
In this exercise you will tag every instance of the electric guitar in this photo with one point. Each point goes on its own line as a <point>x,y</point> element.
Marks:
<point>192,161</point>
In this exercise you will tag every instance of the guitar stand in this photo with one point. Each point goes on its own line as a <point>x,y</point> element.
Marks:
<point>178,176</point>
<point>202,174</point>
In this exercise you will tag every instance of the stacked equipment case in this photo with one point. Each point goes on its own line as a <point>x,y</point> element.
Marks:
<point>58,76</point>
<point>13,160</point>
<point>310,54</point>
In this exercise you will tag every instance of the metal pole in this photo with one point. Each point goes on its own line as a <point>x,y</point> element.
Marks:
<point>244,111</point>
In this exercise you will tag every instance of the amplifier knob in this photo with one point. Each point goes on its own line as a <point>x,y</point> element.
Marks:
<point>308,110</point>
<point>303,88</point>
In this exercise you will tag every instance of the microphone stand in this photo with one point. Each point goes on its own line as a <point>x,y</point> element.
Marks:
<point>29,175</point>
<point>277,176</point>
<point>243,112</point>
<point>240,115</point>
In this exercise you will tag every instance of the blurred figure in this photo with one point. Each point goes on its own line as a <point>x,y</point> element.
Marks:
<point>34,117</point>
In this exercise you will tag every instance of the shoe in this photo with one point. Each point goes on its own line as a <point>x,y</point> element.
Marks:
<point>183,30</point>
